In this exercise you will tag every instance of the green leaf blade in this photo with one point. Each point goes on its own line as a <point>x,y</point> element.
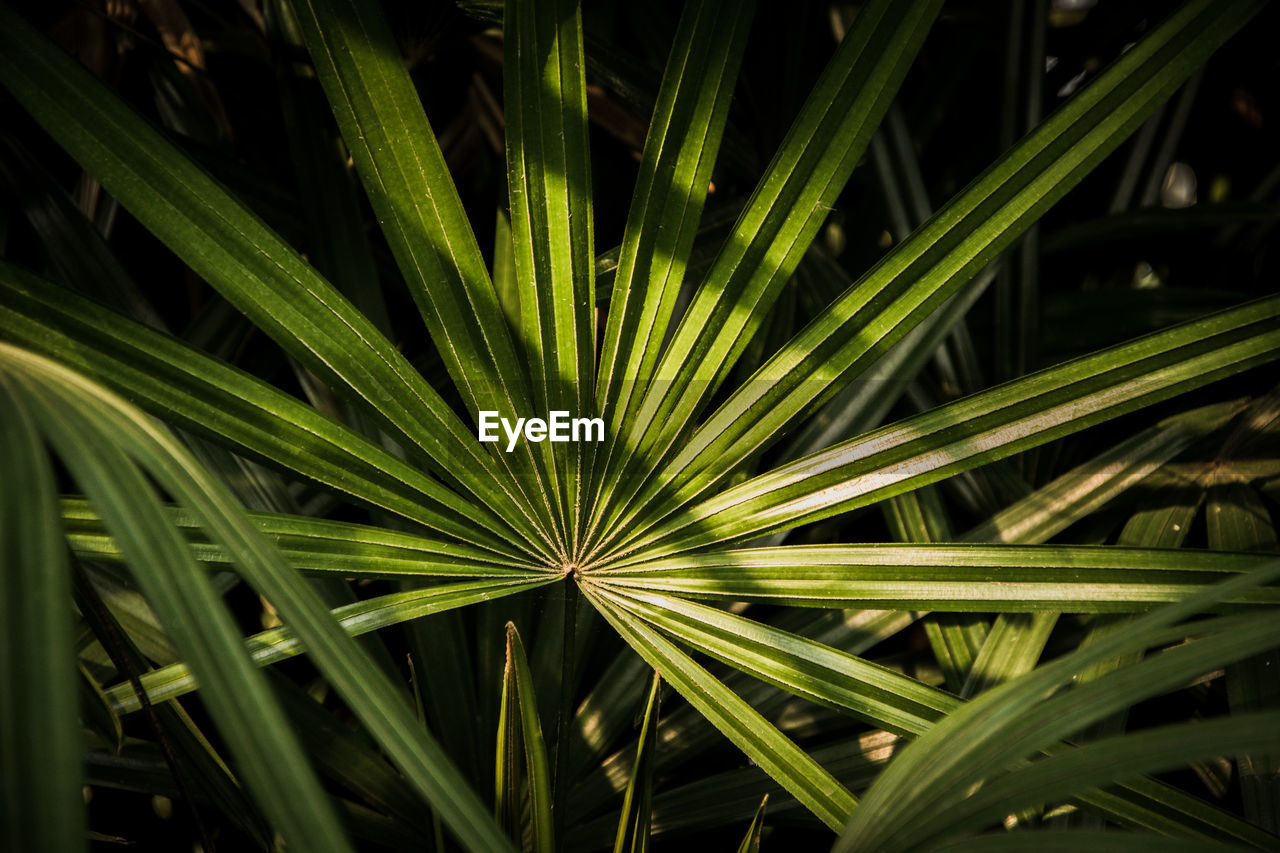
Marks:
<point>217,400</point>
<point>41,770</point>
<point>955,578</point>
<point>637,803</point>
<point>522,764</point>
<point>269,756</point>
<point>358,62</point>
<point>365,688</point>
<point>316,546</point>
<point>792,199</point>
<point>910,283</point>
<point>549,181</point>
<point>776,754</point>
<point>684,138</point>
<point>987,426</point>
<point>277,644</point>
<point>751,841</point>
<point>234,251</point>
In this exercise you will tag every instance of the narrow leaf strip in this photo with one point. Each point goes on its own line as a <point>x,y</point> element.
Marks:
<point>277,644</point>
<point>315,546</point>
<point>41,771</point>
<point>978,578</point>
<point>520,745</point>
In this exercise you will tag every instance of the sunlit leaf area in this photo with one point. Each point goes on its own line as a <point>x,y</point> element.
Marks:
<point>467,425</point>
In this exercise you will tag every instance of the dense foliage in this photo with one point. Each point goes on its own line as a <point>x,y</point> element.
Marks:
<point>933,344</point>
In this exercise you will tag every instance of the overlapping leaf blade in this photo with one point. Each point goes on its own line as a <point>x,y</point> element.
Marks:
<point>522,766</point>
<point>788,207</point>
<point>270,758</point>
<point>680,151</point>
<point>317,546</point>
<point>40,766</point>
<point>366,690</point>
<point>358,61</point>
<point>774,752</point>
<point>986,426</point>
<point>549,183</point>
<point>902,704</point>
<point>1117,758</point>
<point>235,252</point>
<point>636,816</point>
<point>658,542</point>
<point>549,179</point>
<point>212,398</point>
<point>276,644</point>
<point>404,174</point>
<point>1014,720</point>
<point>962,238</point>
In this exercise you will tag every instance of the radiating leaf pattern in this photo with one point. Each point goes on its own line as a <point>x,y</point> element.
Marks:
<point>688,621</point>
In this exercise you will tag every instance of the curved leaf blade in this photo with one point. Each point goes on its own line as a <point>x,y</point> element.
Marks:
<point>269,756</point>
<point>41,771</point>
<point>365,688</point>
